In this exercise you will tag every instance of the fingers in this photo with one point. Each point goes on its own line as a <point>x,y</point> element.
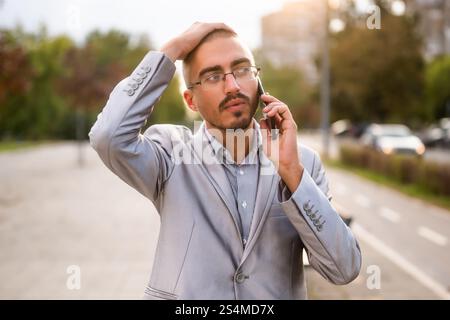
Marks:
<point>190,38</point>
<point>224,26</point>
<point>268,98</point>
<point>208,27</point>
<point>278,108</point>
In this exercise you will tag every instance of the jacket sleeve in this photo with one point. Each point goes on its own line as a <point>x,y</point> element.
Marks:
<point>332,249</point>
<point>141,160</point>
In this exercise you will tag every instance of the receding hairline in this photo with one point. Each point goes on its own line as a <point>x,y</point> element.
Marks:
<point>219,33</point>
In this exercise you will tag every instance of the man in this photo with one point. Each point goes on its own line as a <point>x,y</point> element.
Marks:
<point>237,204</point>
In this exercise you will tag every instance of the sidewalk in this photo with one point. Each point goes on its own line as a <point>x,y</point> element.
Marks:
<point>54,214</point>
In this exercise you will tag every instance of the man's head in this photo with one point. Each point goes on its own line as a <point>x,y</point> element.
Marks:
<point>228,104</point>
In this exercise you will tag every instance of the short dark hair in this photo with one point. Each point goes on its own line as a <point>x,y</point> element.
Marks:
<point>210,36</point>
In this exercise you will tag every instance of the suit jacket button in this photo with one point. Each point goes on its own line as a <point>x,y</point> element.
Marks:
<point>130,92</point>
<point>142,75</point>
<point>306,207</point>
<point>240,277</point>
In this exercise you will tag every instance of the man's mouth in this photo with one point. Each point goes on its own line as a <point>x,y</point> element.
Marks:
<point>234,104</point>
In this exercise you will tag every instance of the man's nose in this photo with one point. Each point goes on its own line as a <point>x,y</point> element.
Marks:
<point>231,85</point>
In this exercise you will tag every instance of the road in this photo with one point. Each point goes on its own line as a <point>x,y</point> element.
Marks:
<point>409,232</point>
<point>54,214</point>
<point>313,139</point>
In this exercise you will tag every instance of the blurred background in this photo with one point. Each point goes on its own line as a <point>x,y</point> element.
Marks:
<point>368,82</point>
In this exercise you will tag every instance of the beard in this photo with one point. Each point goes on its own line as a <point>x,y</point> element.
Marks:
<point>240,121</point>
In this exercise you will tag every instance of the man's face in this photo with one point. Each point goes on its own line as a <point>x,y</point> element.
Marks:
<point>230,104</point>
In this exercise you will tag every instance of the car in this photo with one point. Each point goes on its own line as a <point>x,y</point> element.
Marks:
<point>438,135</point>
<point>392,139</point>
<point>341,127</point>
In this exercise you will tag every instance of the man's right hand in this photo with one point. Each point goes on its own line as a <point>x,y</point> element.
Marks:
<point>179,47</point>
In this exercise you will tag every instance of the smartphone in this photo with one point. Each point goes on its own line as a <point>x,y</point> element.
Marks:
<point>271,120</point>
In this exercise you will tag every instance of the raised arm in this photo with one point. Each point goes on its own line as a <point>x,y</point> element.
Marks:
<point>143,160</point>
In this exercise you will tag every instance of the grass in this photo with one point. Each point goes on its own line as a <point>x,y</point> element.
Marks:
<point>6,146</point>
<point>408,189</point>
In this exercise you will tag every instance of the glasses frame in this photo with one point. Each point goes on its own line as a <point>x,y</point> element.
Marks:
<point>199,83</point>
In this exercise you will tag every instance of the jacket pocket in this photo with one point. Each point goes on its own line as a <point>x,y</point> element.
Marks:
<point>156,294</point>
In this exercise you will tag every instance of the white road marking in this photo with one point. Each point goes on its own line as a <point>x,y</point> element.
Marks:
<point>432,236</point>
<point>401,262</point>
<point>363,201</point>
<point>389,214</point>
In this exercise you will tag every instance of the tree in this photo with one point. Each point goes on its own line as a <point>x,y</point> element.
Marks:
<point>170,109</point>
<point>49,84</point>
<point>15,80</point>
<point>287,84</point>
<point>377,75</point>
<point>437,88</point>
<point>34,113</point>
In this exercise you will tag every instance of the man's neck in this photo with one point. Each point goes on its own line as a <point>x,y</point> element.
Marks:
<point>237,142</point>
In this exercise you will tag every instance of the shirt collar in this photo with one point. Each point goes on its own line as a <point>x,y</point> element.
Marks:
<point>224,156</point>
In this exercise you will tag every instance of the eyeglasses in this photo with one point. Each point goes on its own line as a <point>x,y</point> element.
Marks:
<point>213,80</point>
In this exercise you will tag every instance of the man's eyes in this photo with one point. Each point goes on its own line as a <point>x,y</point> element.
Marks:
<point>219,76</point>
<point>214,77</point>
<point>243,70</point>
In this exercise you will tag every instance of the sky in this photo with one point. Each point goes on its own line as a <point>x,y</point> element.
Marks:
<point>161,20</point>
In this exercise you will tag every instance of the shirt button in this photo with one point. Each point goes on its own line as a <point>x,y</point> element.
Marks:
<point>241,172</point>
<point>245,241</point>
<point>244,204</point>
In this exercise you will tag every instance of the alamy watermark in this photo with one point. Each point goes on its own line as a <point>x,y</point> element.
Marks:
<point>199,150</point>
<point>373,281</point>
<point>73,281</point>
<point>373,21</point>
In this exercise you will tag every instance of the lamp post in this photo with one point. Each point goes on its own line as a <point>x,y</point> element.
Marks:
<point>325,87</point>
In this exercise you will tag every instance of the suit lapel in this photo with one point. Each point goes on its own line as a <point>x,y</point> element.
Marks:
<point>267,182</point>
<point>267,186</point>
<point>215,173</point>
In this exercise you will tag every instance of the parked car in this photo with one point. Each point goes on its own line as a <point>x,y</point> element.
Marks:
<point>392,138</point>
<point>341,127</point>
<point>437,135</point>
<point>345,128</point>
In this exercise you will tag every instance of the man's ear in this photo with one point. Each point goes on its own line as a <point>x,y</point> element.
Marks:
<point>189,98</point>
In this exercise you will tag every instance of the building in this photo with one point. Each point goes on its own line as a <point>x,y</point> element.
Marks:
<point>293,36</point>
<point>434,25</point>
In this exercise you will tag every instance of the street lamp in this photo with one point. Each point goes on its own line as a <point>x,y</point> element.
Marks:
<point>325,87</point>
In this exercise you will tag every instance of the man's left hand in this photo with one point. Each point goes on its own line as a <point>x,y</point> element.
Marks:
<point>282,151</point>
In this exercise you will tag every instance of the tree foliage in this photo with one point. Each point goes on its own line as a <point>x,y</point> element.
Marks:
<point>47,82</point>
<point>437,88</point>
<point>377,75</point>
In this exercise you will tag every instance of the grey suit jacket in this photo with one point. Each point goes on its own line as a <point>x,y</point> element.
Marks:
<point>200,254</point>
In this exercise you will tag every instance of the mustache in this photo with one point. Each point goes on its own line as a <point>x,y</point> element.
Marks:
<point>230,97</point>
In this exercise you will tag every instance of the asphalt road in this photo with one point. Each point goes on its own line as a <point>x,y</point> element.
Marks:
<point>409,232</point>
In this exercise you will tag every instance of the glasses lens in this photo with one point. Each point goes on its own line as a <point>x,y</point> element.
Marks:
<point>245,74</point>
<point>241,75</point>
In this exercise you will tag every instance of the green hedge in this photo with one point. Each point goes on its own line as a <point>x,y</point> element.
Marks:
<point>432,176</point>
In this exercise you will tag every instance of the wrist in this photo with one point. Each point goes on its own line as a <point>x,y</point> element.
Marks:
<point>171,50</point>
<point>291,176</point>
